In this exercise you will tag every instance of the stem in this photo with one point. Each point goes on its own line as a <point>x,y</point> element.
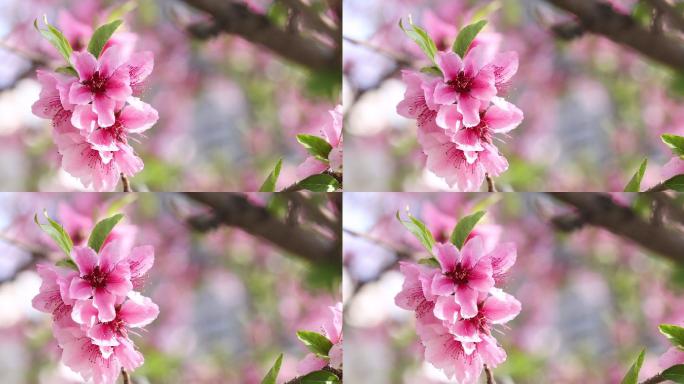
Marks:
<point>490,183</point>
<point>655,379</point>
<point>490,375</point>
<point>126,184</point>
<point>126,378</point>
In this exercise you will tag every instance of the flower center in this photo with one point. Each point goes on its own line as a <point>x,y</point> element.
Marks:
<point>459,275</point>
<point>96,278</point>
<point>96,83</point>
<point>461,83</point>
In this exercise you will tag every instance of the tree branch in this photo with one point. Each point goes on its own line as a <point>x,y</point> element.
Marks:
<point>655,379</point>
<point>236,210</point>
<point>600,210</point>
<point>489,375</point>
<point>599,17</point>
<point>126,378</point>
<point>670,13</point>
<point>236,18</point>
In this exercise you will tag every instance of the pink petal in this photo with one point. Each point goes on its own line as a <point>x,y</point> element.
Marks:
<point>466,331</point>
<point>310,363</point>
<point>336,355</point>
<point>483,86</point>
<point>492,354</point>
<point>140,66</point>
<point>501,307</point>
<point>673,168</point>
<point>470,109</point>
<point>104,302</point>
<point>80,94</point>
<point>502,258</point>
<point>84,313</point>
<point>80,289</point>
<point>110,255</point>
<point>104,107</point>
<point>448,117</point>
<point>492,161</point>
<point>310,166</point>
<point>673,356</point>
<point>84,63</point>
<point>468,140</point>
<point>103,335</point>
<point>129,164</point>
<point>129,358</point>
<point>450,64</point>
<point>480,277</point>
<point>84,118</point>
<point>85,258</point>
<point>118,281</point>
<point>333,129</point>
<point>118,86</point>
<point>446,308</point>
<point>505,66</point>
<point>332,324</point>
<point>502,116</point>
<point>472,252</point>
<point>103,139</point>
<point>444,94</point>
<point>110,60</point>
<point>137,116</point>
<point>442,285</point>
<point>141,260</point>
<point>447,255</point>
<point>474,60</point>
<point>466,297</point>
<point>138,310</point>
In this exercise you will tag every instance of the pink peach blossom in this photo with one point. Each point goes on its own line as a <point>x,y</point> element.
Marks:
<point>332,131</point>
<point>332,330</point>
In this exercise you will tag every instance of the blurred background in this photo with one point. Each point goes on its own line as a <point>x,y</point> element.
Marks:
<point>590,300</point>
<point>230,302</point>
<point>593,109</point>
<point>229,109</point>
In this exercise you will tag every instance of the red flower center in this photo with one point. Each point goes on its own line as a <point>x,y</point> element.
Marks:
<point>96,278</point>
<point>458,275</point>
<point>461,83</point>
<point>96,83</point>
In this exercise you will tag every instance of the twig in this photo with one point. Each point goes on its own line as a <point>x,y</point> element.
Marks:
<point>126,378</point>
<point>489,374</point>
<point>659,378</point>
<point>491,187</point>
<point>398,59</point>
<point>671,14</point>
<point>598,16</point>
<point>600,210</point>
<point>126,184</point>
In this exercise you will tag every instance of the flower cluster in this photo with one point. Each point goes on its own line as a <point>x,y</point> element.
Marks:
<point>325,154</point>
<point>94,106</point>
<point>94,308</point>
<point>458,110</point>
<point>457,305</point>
<point>332,330</point>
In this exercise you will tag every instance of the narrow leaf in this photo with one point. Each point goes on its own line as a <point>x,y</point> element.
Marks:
<point>674,373</point>
<point>272,374</point>
<point>101,36</point>
<point>320,183</point>
<point>56,38</point>
<point>676,143</point>
<point>319,377</point>
<point>316,146</point>
<point>419,230</point>
<point>432,70</point>
<point>632,376</point>
<point>486,10</point>
<point>634,184</point>
<point>102,230</point>
<point>429,261</point>
<point>466,37</point>
<point>67,263</point>
<point>317,343</point>
<point>57,233</point>
<point>122,10</point>
<point>464,227</point>
<point>67,70</point>
<point>676,183</point>
<point>673,333</point>
<point>269,184</point>
<point>421,37</point>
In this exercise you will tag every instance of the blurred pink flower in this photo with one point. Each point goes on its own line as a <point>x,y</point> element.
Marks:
<point>332,131</point>
<point>673,356</point>
<point>673,168</point>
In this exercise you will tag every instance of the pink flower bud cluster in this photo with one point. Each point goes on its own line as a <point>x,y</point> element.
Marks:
<point>459,112</point>
<point>93,112</point>
<point>94,308</point>
<point>457,305</point>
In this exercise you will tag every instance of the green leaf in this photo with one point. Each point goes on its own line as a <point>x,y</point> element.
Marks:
<point>464,227</point>
<point>320,183</point>
<point>118,204</point>
<point>122,10</point>
<point>635,183</point>
<point>317,343</point>
<point>319,377</point>
<point>429,261</point>
<point>101,36</point>
<point>632,376</point>
<point>278,13</point>
<point>316,146</point>
<point>432,70</point>
<point>56,38</point>
<point>676,143</point>
<point>486,10</point>
<point>67,70</point>
<point>419,230</point>
<point>102,230</point>
<point>674,373</point>
<point>675,183</point>
<point>57,233</point>
<point>466,37</point>
<point>67,263</point>
<point>269,184</point>
<point>272,374</point>
<point>421,37</point>
<point>673,333</point>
